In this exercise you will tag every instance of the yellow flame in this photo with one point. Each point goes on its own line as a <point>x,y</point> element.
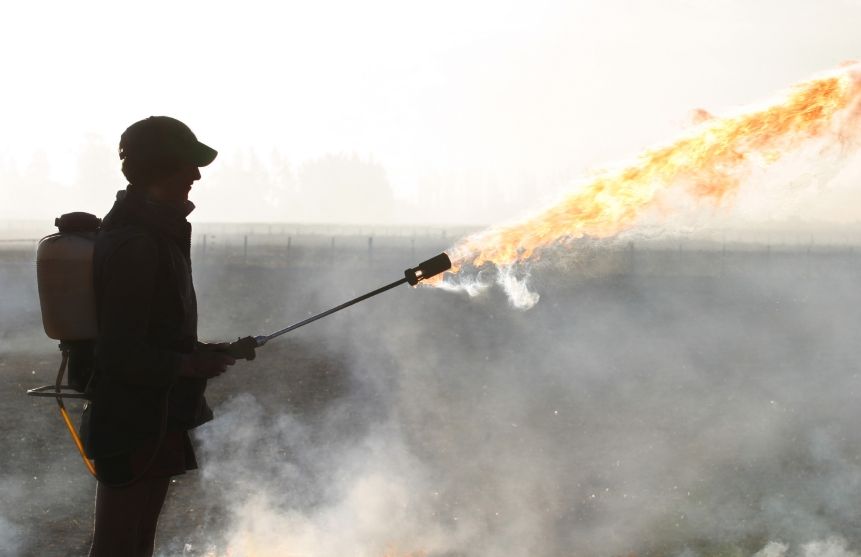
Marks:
<point>705,163</point>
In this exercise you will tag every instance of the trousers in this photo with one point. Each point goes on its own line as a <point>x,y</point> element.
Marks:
<point>126,518</point>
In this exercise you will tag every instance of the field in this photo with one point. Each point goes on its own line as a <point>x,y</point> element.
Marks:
<point>660,400</point>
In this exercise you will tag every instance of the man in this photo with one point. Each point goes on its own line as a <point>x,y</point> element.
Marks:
<point>151,371</point>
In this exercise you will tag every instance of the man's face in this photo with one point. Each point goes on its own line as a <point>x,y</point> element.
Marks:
<point>176,186</point>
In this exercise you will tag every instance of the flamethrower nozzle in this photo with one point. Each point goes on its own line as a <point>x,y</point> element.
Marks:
<point>428,269</point>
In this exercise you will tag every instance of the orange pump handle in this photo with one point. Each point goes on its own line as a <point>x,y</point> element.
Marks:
<point>65,415</point>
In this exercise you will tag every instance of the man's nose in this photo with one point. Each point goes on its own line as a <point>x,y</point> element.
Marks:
<point>196,174</point>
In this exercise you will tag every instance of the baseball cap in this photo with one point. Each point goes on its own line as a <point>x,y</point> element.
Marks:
<point>162,137</point>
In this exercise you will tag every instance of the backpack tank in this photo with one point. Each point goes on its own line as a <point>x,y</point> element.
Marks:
<point>64,273</point>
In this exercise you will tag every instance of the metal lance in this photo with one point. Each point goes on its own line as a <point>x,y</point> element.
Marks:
<point>244,347</point>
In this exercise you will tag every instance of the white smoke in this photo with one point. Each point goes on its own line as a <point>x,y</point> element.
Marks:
<point>514,281</point>
<point>516,288</point>
<point>773,549</point>
<point>12,534</point>
<point>831,547</point>
<point>11,537</point>
<point>667,412</point>
<point>364,499</point>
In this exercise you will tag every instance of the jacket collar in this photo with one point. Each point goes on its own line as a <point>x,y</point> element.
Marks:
<point>133,207</point>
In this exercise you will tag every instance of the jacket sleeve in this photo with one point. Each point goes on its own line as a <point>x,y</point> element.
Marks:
<point>127,287</point>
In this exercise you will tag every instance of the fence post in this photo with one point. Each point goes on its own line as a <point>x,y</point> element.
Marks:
<point>245,250</point>
<point>370,251</point>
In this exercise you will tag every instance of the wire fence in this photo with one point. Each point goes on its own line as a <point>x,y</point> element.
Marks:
<point>305,250</point>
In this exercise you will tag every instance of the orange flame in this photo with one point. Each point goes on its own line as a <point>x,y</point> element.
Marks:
<point>706,163</point>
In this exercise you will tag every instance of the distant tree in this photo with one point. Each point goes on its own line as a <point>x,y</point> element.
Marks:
<point>10,189</point>
<point>36,180</point>
<point>238,189</point>
<point>284,189</point>
<point>345,188</point>
<point>28,191</point>
<point>98,176</point>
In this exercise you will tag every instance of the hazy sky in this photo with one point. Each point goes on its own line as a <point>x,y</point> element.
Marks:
<point>526,92</point>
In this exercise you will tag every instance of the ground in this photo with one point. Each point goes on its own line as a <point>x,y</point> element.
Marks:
<point>653,402</point>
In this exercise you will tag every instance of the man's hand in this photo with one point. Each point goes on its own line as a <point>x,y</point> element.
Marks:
<point>243,348</point>
<point>205,364</point>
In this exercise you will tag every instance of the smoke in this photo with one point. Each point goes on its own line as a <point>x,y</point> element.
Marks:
<point>670,409</point>
<point>655,402</point>
<point>11,532</point>
<point>513,280</point>
<point>317,499</point>
<point>831,547</point>
<point>10,537</point>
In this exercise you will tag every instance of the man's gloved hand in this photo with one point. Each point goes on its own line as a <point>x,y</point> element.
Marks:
<point>205,363</point>
<point>243,348</point>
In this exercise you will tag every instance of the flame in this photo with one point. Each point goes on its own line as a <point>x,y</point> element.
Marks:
<point>707,163</point>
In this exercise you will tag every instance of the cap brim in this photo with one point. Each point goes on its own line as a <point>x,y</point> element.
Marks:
<point>202,155</point>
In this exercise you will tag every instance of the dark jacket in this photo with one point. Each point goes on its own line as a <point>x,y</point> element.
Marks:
<point>147,316</point>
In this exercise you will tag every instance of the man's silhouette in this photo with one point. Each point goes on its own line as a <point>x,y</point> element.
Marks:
<point>151,371</point>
